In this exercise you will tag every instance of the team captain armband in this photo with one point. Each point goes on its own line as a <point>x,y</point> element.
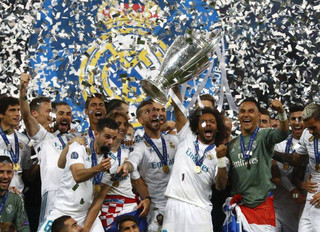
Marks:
<point>222,162</point>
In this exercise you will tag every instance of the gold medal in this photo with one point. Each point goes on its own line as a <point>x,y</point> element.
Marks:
<point>311,138</point>
<point>115,184</point>
<point>16,167</point>
<point>97,188</point>
<point>166,169</point>
<point>285,166</point>
<point>197,169</point>
<point>247,164</point>
<point>88,150</point>
<point>317,167</point>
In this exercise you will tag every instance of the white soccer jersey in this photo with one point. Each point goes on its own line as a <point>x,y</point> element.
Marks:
<point>307,148</point>
<point>24,156</point>
<point>185,184</point>
<point>48,148</point>
<point>125,187</point>
<point>147,162</point>
<point>71,197</point>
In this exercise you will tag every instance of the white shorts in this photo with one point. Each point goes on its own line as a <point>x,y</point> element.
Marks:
<point>184,217</point>
<point>310,219</point>
<point>54,214</point>
<point>46,204</point>
<point>155,218</point>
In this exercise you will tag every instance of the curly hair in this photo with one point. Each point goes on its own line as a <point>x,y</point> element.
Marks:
<point>221,129</point>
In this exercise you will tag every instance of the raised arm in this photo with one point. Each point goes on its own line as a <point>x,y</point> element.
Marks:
<point>277,106</point>
<point>222,175</point>
<point>181,119</point>
<point>30,122</point>
<point>95,207</point>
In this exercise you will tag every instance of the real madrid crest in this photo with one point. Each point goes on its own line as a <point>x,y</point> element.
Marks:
<point>172,145</point>
<point>20,145</point>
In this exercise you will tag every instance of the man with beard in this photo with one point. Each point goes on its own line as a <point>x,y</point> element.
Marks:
<point>48,146</point>
<point>308,150</point>
<point>287,197</point>
<point>12,207</point>
<point>251,157</point>
<point>153,157</point>
<point>200,162</point>
<point>76,190</point>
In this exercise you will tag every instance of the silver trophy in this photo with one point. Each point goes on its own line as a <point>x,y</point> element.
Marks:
<point>187,57</point>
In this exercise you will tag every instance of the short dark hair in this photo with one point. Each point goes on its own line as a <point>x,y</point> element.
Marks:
<point>114,104</point>
<point>4,158</point>
<point>142,104</point>
<point>36,102</point>
<point>124,218</point>
<point>106,122</point>
<point>295,108</point>
<point>56,104</point>
<point>264,111</point>
<point>251,99</point>
<point>6,101</point>
<point>58,224</point>
<point>194,120</point>
<point>95,95</point>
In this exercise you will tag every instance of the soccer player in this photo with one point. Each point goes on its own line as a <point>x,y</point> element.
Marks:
<point>251,157</point>
<point>48,146</point>
<point>12,206</point>
<point>199,162</point>
<point>13,143</point>
<point>153,156</point>
<point>75,194</point>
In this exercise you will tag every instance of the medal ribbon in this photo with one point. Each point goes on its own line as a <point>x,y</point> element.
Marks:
<point>91,136</point>
<point>316,150</point>
<point>14,155</point>
<point>288,145</point>
<point>163,157</point>
<point>3,202</point>
<point>97,178</point>
<point>61,140</point>
<point>246,154</point>
<point>119,155</point>
<point>199,162</point>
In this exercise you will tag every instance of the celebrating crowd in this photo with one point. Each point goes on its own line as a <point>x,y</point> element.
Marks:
<point>187,175</point>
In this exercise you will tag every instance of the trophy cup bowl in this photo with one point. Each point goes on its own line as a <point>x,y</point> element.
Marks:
<point>187,57</point>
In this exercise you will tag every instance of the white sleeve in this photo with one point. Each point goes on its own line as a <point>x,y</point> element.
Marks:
<point>106,179</point>
<point>41,134</point>
<point>135,157</point>
<point>76,154</point>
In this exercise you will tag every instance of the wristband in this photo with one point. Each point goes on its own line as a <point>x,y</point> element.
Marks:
<point>282,116</point>
<point>222,162</point>
<point>148,197</point>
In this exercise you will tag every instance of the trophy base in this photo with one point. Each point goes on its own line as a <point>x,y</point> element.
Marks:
<point>156,94</point>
